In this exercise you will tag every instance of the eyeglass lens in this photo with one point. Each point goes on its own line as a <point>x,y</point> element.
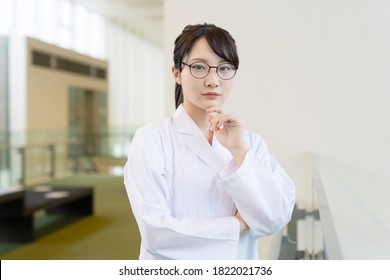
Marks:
<point>200,70</point>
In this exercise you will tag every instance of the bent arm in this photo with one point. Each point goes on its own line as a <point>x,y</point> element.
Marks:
<point>261,190</point>
<point>163,235</point>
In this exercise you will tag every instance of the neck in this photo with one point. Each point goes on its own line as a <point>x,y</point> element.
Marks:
<point>199,116</point>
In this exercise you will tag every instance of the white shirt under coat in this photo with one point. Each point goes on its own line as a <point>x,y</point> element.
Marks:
<point>184,193</point>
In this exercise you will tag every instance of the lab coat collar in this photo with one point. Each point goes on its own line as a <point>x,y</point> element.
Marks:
<point>184,123</point>
<point>197,143</point>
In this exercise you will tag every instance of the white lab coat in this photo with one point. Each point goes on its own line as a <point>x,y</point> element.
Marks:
<point>184,193</point>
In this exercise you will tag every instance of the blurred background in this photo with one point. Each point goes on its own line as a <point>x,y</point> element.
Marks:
<point>78,77</point>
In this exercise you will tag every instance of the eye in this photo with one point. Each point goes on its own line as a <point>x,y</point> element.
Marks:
<point>226,67</point>
<point>199,67</point>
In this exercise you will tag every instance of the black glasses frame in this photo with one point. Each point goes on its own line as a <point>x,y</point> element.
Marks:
<point>216,68</point>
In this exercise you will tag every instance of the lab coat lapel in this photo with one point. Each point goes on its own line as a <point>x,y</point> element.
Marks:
<point>199,145</point>
<point>196,142</point>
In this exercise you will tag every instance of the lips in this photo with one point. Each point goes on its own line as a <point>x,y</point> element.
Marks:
<point>211,94</point>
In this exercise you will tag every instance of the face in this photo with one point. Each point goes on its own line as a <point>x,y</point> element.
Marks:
<point>210,91</point>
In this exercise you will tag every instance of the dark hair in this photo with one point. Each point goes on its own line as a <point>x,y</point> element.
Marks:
<point>220,41</point>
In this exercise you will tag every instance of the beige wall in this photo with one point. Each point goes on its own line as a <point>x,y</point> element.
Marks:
<point>48,90</point>
<point>313,77</point>
<point>38,95</point>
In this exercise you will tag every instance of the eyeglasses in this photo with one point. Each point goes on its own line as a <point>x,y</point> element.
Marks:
<point>200,70</point>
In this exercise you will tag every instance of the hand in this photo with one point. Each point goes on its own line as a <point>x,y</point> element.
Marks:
<point>229,133</point>
<point>243,225</point>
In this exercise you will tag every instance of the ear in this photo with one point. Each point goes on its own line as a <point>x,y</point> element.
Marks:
<point>176,74</point>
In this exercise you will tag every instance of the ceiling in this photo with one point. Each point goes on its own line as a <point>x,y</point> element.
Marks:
<point>143,17</point>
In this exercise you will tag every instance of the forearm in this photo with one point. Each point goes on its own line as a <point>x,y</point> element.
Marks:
<point>239,153</point>
<point>264,198</point>
<point>162,234</point>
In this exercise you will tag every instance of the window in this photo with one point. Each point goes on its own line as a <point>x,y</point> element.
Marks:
<point>46,17</point>
<point>65,24</point>
<point>5,16</point>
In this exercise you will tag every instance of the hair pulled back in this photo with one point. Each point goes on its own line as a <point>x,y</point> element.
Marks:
<point>220,41</point>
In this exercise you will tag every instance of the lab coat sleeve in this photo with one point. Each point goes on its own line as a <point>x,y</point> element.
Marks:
<point>163,235</point>
<point>261,190</point>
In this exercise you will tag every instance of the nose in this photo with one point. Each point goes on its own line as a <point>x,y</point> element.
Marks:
<point>212,79</point>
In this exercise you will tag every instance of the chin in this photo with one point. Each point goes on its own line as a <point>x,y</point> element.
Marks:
<point>213,103</point>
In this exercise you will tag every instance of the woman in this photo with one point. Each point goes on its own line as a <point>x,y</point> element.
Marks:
<point>200,186</point>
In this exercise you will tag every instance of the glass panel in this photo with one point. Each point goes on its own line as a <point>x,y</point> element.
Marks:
<point>47,155</point>
<point>5,16</point>
<point>47,20</point>
<point>26,20</point>
<point>3,91</point>
<point>65,24</point>
<point>96,30</point>
<point>81,32</point>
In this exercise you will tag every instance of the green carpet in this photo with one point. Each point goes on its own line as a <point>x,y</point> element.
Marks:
<point>110,234</point>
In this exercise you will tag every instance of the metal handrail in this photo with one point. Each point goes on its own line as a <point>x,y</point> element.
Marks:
<point>75,151</point>
<point>35,145</point>
<point>332,249</point>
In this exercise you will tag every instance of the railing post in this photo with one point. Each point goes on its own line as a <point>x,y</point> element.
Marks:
<point>22,152</point>
<point>2,181</point>
<point>76,155</point>
<point>52,155</point>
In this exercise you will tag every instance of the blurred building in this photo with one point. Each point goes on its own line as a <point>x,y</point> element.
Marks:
<point>74,74</point>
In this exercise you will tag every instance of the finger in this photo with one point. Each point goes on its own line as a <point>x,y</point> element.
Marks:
<point>218,122</point>
<point>212,117</point>
<point>214,110</point>
<point>213,122</point>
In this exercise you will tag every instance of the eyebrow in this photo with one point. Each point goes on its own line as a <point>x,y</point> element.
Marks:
<point>205,60</point>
